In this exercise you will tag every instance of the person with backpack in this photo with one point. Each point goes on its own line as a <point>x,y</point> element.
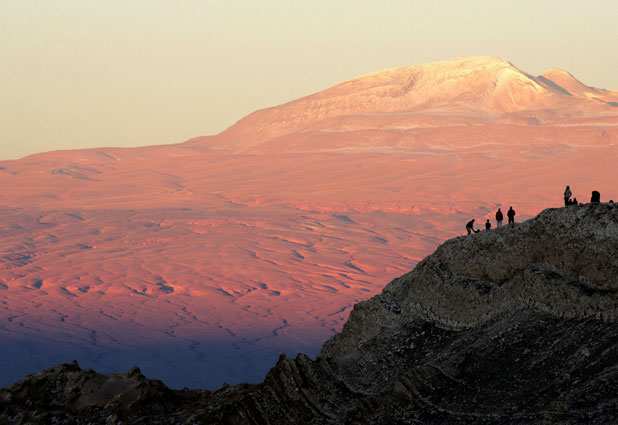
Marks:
<point>499,218</point>
<point>470,227</point>
<point>511,215</point>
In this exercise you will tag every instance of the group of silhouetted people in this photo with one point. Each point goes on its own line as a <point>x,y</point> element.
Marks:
<point>499,217</point>
<point>594,199</point>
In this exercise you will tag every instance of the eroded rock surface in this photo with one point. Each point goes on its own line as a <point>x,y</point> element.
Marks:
<point>512,326</point>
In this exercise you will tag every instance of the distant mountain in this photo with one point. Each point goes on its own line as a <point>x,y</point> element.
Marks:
<point>511,326</point>
<point>465,91</point>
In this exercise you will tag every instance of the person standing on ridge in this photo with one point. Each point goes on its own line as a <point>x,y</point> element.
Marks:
<point>487,225</point>
<point>470,227</point>
<point>499,218</point>
<point>567,196</point>
<point>511,215</point>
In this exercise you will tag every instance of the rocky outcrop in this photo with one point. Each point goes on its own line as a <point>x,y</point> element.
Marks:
<point>511,326</point>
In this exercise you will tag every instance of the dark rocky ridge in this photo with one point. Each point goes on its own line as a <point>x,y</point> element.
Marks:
<point>512,326</point>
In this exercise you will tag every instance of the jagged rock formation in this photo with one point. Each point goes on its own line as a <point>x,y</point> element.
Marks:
<point>511,326</point>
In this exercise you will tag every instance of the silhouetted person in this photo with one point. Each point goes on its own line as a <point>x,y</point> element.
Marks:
<point>470,227</point>
<point>596,197</point>
<point>499,218</point>
<point>567,196</point>
<point>487,225</point>
<point>574,202</point>
<point>511,215</point>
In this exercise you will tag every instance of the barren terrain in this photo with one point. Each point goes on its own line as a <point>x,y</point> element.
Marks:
<point>202,261</point>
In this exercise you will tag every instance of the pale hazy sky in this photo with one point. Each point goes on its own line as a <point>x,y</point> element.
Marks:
<point>85,73</point>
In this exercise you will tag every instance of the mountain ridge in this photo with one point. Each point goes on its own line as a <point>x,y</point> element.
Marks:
<point>489,88</point>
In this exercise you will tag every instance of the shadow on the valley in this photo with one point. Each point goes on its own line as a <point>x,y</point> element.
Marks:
<point>206,365</point>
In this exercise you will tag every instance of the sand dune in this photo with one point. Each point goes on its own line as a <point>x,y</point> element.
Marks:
<point>202,261</point>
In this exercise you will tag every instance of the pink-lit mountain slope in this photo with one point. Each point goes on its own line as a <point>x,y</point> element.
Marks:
<point>468,91</point>
<point>562,80</point>
<point>202,261</point>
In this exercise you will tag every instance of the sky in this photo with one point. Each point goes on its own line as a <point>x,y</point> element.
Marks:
<point>85,73</point>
